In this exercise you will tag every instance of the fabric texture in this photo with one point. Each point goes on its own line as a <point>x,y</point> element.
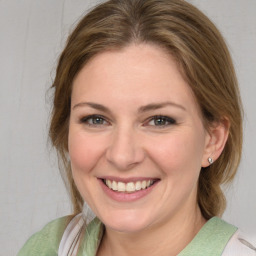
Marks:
<point>240,244</point>
<point>211,240</point>
<point>46,241</point>
<point>216,238</point>
<point>70,240</point>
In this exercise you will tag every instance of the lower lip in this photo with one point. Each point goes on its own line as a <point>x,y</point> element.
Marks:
<point>126,197</point>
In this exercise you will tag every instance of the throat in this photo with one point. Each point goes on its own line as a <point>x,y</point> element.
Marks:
<point>163,240</point>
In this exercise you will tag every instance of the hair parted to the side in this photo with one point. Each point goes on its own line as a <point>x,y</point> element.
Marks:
<point>204,60</point>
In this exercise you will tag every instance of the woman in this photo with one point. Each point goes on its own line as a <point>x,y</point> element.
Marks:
<point>147,123</point>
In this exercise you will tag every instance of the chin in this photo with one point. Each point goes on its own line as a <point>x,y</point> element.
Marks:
<point>126,222</point>
<point>127,227</point>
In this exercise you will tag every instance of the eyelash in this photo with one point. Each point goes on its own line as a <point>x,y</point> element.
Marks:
<point>167,121</point>
<point>164,121</point>
<point>86,120</point>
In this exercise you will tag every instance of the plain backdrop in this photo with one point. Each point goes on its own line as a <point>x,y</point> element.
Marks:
<point>32,34</point>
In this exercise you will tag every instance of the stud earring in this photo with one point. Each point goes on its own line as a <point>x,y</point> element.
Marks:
<point>210,160</point>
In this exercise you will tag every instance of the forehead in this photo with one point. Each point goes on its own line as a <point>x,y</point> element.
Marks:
<point>138,73</point>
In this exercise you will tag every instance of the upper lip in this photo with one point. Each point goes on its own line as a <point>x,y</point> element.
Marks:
<point>126,180</point>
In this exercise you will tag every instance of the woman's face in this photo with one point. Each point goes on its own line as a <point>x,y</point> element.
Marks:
<point>136,138</point>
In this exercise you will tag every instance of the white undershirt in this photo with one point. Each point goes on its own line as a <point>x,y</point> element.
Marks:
<point>240,244</point>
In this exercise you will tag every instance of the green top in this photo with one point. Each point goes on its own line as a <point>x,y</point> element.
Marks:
<point>210,240</point>
<point>46,242</point>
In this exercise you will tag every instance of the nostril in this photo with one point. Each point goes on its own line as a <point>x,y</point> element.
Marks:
<point>125,157</point>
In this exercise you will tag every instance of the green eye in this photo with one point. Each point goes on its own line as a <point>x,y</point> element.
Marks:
<point>161,121</point>
<point>94,120</point>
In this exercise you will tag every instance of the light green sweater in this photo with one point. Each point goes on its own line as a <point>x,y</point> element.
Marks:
<point>210,240</point>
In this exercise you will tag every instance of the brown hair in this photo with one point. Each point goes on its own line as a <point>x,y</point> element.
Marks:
<point>204,61</point>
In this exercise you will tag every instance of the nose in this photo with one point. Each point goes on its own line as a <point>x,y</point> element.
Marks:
<point>125,149</point>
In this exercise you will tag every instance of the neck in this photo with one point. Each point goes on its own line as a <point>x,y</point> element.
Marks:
<point>167,238</point>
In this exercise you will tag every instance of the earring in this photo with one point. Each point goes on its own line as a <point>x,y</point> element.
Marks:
<point>210,160</point>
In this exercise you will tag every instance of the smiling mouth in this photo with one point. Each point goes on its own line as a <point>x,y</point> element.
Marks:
<point>129,187</point>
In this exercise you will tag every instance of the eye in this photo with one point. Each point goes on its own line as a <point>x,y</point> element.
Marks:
<point>161,121</point>
<point>94,120</point>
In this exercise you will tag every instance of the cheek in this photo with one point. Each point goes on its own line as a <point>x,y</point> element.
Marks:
<point>84,151</point>
<point>180,153</point>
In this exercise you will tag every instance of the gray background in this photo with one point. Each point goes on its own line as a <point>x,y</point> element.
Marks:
<point>32,34</point>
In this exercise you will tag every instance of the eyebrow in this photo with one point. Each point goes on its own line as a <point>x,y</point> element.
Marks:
<point>92,105</point>
<point>142,109</point>
<point>155,106</point>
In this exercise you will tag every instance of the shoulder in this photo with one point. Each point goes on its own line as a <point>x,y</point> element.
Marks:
<point>241,244</point>
<point>46,241</point>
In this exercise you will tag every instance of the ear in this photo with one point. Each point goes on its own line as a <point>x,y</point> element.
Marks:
<point>215,142</point>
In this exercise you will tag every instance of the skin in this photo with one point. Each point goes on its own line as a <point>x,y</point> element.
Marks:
<point>127,142</point>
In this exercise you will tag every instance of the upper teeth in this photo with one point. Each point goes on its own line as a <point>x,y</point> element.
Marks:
<point>128,187</point>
